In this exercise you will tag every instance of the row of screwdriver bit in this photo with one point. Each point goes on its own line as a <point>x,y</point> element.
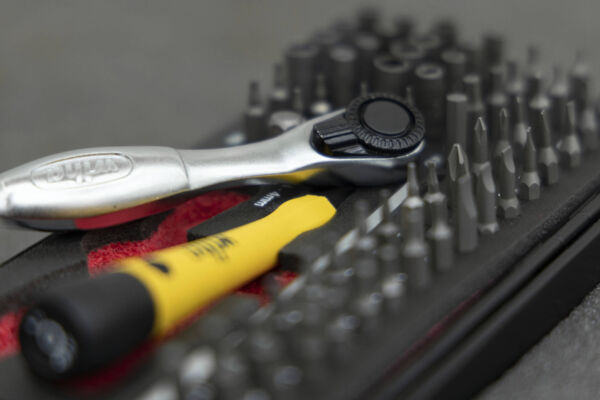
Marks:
<point>240,350</point>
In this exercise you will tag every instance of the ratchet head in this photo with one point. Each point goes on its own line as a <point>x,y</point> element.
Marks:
<point>376,134</point>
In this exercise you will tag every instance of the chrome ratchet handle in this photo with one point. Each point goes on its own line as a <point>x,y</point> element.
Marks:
<point>100,187</point>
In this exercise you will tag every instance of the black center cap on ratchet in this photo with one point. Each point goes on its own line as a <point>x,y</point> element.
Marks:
<point>374,124</point>
<point>386,117</point>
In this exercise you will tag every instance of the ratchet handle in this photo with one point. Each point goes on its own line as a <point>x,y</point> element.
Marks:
<point>75,188</point>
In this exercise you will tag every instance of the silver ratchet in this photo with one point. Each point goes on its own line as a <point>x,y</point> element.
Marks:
<point>99,187</point>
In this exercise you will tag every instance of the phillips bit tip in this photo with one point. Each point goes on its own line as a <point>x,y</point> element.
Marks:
<point>530,184</point>
<point>503,139</point>
<point>463,202</point>
<point>485,194</point>
<point>457,162</point>
<point>547,157</point>
<point>569,145</point>
<point>480,146</point>
<point>508,203</point>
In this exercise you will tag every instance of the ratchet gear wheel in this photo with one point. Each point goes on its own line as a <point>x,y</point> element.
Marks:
<point>374,124</point>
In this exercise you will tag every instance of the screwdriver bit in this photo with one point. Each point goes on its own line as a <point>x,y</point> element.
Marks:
<point>447,30</point>
<point>433,194</point>
<point>518,124</point>
<point>534,71</point>
<point>502,140</point>
<point>367,241</point>
<point>321,105</point>
<point>464,210</point>
<point>410,52</point>
<point>456,120</point>
<point>430,96</point>
<point>579,78</point>
<point>508,203</point>
<point>530,184</point>
<point>475,105</point>
<point>493,50</point>
<point>431,44</point>
<point>388,230</point>
<point>301,67</point>
<point>538,102</point>
<point>367,47</point>
<point>455,62</point>
<point>367,18</point>
<point>588,125</point>
<point>393,283</point>
<point>343,74</point>
<point>297,102</point>
<point>485,187</point>
<point>547,157</point>
<point>232,374</point>
<point>495,101</point>
<point>440,238</point>
<point>386,32</point>
<point>324,40</point>
<point>569,145</point>
<point>414,253</point>
<point>280,95</point>
<point>405,26</point>
<point>474,54</point>
<point>363,88</point>
<point>255,118</point>
<point>409,96</point>
<point>341,335</point>
<point>480,147</point>
<point>559,96</point>
<point>390,75</point>
<point>515,86</point>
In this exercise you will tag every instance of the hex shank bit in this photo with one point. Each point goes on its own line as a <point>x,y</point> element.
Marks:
<point>464,210</point>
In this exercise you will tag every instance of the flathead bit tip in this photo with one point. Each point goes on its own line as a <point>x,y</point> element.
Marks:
<point>504,128</point>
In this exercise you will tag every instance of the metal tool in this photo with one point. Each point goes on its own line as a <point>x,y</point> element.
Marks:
<point>99,187</point>
<point>530,184</point>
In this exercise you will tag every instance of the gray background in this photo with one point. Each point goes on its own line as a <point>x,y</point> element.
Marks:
<point>90,73</point>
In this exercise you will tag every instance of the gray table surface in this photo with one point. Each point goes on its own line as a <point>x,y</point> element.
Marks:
<point>79,74</point>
